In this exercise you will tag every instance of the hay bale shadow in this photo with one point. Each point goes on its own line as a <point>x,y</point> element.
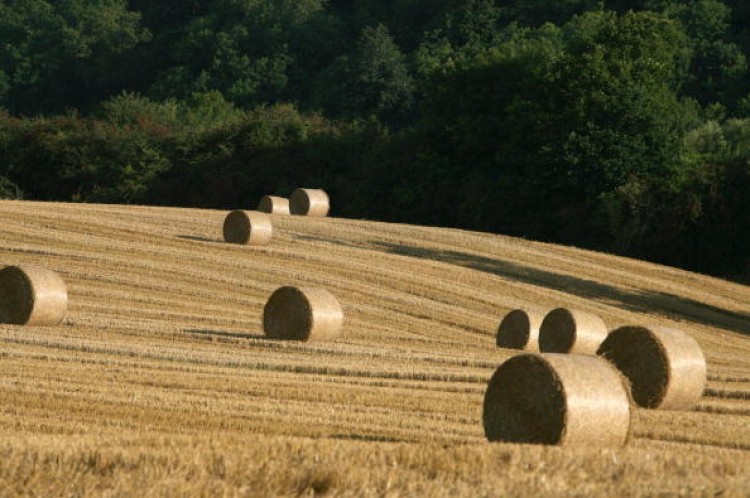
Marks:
<point>368,438</point>
<point>329,240</point>
<point>220,334</point>
<point>200,239</point>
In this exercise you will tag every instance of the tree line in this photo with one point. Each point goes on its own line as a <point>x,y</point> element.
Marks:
<point>622,126</point>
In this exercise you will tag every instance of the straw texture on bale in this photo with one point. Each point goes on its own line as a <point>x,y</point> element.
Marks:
<point>519,329</point>
<point>30,295</point>
<point>571,331</point>
<point>309,202</point>
<point>666,367</point>
<point>302,314</point>
<point>273,205</point>
<point>248,227</point>
<point>557,399</point>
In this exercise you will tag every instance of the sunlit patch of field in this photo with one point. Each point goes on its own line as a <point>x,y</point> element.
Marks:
<point>160,382</point>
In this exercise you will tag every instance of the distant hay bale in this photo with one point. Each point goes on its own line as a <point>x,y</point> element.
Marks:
<point>248,227</point>
<point>274,205</point>
<point>30,295</point>
<point>302,314</point>
<point>571,331</point>
<point>519,329</point>
<point>309,202</point>
<point>557,399</point>
<point>666,367</point>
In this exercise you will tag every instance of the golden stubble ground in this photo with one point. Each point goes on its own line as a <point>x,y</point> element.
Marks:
<point>160,383</point>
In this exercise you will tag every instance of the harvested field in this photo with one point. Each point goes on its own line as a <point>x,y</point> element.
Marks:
<point>160,381</point>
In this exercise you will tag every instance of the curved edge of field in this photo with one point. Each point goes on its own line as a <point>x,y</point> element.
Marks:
<point>160,382</point>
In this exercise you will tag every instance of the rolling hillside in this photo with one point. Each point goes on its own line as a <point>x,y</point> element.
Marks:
<point>160,382</point>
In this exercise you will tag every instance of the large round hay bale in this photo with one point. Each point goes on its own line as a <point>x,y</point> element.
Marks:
<point>571,331</point>
<point>274,205</point>
<point>519,329</point>
<point>557,399</point>
<point>302,314</point>
<point>30,295</point>
<point>309,202</point>
<point>248,227</point>
<point>666,367</point>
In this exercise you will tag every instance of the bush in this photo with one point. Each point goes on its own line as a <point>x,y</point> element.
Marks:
<point>68,158</point>
<point>9,190</point>
<point>196,114</point>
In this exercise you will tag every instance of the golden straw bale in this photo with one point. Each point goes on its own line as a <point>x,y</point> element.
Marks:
<point>30,295</point>
<point>274,205</point>
<point>571,331</point>
<point>309,202</point>
<point>519,329</point>
<point>557,399</point>
<point>248,227</point>
<point>302,314</point>
<point>666,367</point>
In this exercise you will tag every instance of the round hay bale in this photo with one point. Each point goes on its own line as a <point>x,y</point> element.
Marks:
<point>666,367</point>
<point>274,205</point>
<point>30,295</point>
<point>248,227</point>
<point>571,331</point>
<point>309,202</point>
<point>520,330</point>
<point>302,314</point>
<point>557,399</point>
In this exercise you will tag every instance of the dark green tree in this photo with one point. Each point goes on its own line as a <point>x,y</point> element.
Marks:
<point>539,128</point>
<point>58,55</point>
<point>717,65</point>
<point>373,81</point>
<point>537,12</point>
<point>240,48</point>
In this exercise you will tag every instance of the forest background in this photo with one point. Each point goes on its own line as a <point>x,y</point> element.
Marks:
<point>621,126</point>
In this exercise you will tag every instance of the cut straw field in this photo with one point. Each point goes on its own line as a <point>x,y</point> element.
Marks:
<point>160,383</point>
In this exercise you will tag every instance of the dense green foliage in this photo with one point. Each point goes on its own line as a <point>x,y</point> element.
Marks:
<point>620,125</point>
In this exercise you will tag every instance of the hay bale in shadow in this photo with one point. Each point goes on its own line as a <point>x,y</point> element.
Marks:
<point>309,202</point>
<point>302,314</point>
<point>248,227</point>
<point>30,295</point>
<point>557,399</point>
<point>273,205</point>
<point>666,367</point>
<point>519,329</point>
<point>565,330</point>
